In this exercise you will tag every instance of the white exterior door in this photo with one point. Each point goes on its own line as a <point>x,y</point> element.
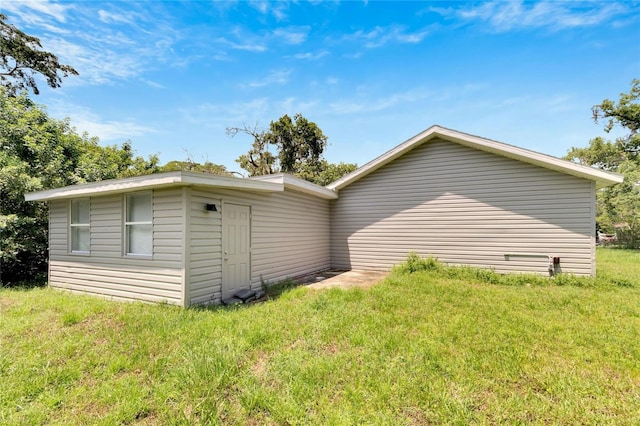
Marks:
<point>236,253</point>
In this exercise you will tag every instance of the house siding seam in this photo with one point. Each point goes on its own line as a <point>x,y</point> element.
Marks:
<point>104,271</point>
<point>463,206</point>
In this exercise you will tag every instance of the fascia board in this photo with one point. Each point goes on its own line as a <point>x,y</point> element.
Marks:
<point>601,177</point>
<point>382,160</point>
<point>161,180</point>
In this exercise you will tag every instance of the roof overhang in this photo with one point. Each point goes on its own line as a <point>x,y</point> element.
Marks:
<point>600,177</point>
<point>155,181</point>
<point>297,184</point>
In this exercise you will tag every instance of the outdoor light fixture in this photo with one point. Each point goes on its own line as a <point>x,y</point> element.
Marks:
<point>210,207</point>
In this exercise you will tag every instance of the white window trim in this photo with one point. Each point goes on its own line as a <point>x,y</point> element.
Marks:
<point>126,225</point>
<point>78,225</point>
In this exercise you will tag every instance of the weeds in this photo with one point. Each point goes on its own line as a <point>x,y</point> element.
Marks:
<point>607,278</point>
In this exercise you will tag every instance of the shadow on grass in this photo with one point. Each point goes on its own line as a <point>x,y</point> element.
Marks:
<point>25,285</point>
<point>271,292</point>
<point>274,291</point>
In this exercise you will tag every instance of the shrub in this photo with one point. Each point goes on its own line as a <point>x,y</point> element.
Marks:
<point>415,263</point>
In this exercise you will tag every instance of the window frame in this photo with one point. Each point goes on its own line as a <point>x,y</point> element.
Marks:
<point>127,225</point>
<point>79,225</point>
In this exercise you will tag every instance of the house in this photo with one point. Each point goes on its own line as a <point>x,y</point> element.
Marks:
<point>189,238</point>
<point>185,238</point>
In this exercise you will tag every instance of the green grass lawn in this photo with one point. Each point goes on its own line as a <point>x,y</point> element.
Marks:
<point>418,348</point>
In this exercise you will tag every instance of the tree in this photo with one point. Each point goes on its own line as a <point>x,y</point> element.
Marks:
<point>618,206</point>
<point>299,144</point>
<point>192,166</point>
<point>36,153</point>
<point>259,160</point>
<point>21,58</point>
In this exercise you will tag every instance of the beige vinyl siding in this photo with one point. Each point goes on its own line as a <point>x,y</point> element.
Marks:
<point>464,206</point>
<point>205,241</point>
<point>58,227</point>
<point>289,238</point>
<point>106,227</point>
<point>105,271</point>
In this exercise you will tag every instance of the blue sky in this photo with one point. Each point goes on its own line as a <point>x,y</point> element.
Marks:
<point>171,76</point>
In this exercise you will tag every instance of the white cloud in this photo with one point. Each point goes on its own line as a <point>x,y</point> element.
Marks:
<point>103,45</point>
<point>250,43</point>
<point>380,36</point>
<point>363,104</point>
<point>260,6</point>
<point>505,16</point>
<point>226,114</point>
<point>275,77</point>
<point>153,84</point>
<point>278,9</point>
<point>109,131</point>
<point>254,113</point>
<point>292,105</point>
<point>54,29</point>
<point>96,65</point>
<point>108,17</point>
<point>31,11</point>
<point>250,47</point>
<point>221,56</point>
<point>239,38</point>
<point>311,56</point>
<point>355,55</point>
<point>292,35</point>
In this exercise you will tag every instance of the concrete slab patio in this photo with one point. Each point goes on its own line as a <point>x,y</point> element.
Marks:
<point>343,279</point>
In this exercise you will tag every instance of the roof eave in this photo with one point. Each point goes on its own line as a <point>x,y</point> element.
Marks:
<point>602,178</point>
<point>161,180</point>
<point>300,185</point>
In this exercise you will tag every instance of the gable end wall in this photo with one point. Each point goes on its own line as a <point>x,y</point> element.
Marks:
<point>464,206</point>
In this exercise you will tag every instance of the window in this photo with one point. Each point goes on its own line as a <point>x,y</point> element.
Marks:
<point>138,224</point>
<point>79,226</point>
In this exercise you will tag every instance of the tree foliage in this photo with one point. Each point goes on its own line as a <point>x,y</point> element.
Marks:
<point>38,152</point>
<point>259,160</point>
<point>326,172</point>
<point>21,58</point>
<point>300,142</point>
<point>619,205</point>
<point>191,166</point>
<point>299,145</point>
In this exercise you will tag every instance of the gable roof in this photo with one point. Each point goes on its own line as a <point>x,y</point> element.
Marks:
<point>275,183</point>
<point>601,177</point>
